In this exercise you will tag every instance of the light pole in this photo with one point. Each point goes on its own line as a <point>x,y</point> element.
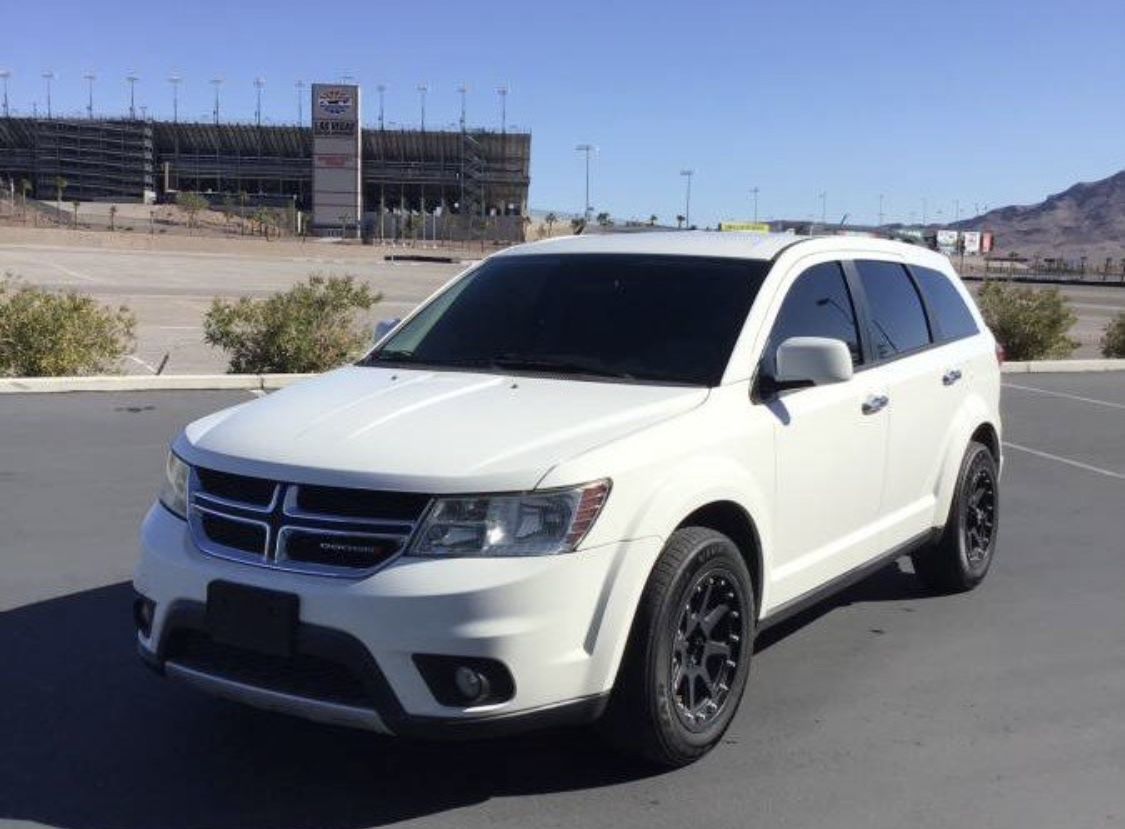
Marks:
<point>216,82</point>
<point>502,91</point>
<point>956,210</point>
<point>175,81</point>
<point>89,76</point>
<point>300,101</point>
<point>823,196</point>
<point>48,76</point>
<point>259,82</point>
<point>754,190</point>
<point>132,79</point>
<point>880,210</point>
<point>923,211</point>
<point>382,89</point>
<point>587,149</point>
<point>4,75</point>
<point>687,199</point>
<point>422,90</point>
<point>463,90</point>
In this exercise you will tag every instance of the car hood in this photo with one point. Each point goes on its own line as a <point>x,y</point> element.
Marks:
<point>425,431</point>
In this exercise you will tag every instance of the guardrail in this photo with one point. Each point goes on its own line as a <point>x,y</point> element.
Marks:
<point>271,382</point>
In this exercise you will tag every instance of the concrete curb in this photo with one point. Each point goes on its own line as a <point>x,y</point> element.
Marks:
<point>1062,366</point>
<point>270,382</point>
<point>147,382</point>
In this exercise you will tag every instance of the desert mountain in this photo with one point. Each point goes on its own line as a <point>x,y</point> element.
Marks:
<point>1087,219</point>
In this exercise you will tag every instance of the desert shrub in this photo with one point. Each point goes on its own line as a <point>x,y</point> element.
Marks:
<point>1113,340</point>
<point>191,203</point>
<point>311,327</point>
<point>1031,324</point>
<point>52,334</point>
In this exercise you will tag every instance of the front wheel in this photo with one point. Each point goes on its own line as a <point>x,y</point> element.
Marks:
<point>960,559</point>
<point>688,657</point>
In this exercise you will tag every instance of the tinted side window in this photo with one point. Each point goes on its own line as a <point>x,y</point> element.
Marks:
<point>818,305</point>
<point>898,320</point>
<point>952,317</point>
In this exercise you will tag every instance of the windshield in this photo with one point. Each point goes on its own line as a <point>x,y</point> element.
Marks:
<point>663,319</point>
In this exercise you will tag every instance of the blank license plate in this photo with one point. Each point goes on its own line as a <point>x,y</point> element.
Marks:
<point>252,618</point>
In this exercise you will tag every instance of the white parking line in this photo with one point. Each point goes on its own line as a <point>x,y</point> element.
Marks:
<point>1109,403</point>
<point>140,362</point>
<point>1109,473</point>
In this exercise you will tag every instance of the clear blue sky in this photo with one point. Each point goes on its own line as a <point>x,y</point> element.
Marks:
<point>985,101</point>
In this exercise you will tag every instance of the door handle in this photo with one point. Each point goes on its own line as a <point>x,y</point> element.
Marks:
<point>875,403</point>
<point>951,377</point>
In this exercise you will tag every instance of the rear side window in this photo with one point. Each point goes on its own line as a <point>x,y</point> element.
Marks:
<point>951,317</point>
<point>817,305</point>
<point>898,319</point>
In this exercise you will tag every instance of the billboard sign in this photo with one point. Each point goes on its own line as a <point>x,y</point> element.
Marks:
<point>336,158</point>
<point>744,227</point>
<point>947,241</point>
<point>971,242</point>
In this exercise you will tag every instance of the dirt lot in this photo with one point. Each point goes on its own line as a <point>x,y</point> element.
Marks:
<point>170,280</point>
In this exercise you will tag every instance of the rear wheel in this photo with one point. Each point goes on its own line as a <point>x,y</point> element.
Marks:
<point>689,652</point>
<point>960,559</point>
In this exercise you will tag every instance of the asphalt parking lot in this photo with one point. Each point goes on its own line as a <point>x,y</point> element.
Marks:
<point>883,707</point>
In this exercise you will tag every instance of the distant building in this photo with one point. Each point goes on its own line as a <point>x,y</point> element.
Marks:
<point>468,184</point>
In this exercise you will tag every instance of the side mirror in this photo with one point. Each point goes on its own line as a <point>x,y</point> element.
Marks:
<point>816,360</point>
<point>385,327</point>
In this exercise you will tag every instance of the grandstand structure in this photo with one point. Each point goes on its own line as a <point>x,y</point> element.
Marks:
<point>463,184</point>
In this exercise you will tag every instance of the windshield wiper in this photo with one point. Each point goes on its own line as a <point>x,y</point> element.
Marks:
<point>508,362</point>
<point>390,355</point>
<point>515,362</point>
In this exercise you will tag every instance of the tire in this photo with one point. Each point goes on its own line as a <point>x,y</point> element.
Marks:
<point>687,661</point>
<point>961,557</point>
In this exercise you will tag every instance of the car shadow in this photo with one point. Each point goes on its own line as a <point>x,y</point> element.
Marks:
<point>93,739</point>
<point>888,584</point>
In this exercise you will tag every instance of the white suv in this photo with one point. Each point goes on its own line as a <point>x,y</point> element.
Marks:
<point>575,483</point>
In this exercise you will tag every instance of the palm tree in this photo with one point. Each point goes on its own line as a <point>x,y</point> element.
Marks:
<point>577,225</point>
<point>25,188</point>
<point>550,220</point>
<point>604,220</point>
<point>60,186</point>
<point>680,221</point>
<point>652,220</point>
<point>113,217</point>
<point>74,204</point>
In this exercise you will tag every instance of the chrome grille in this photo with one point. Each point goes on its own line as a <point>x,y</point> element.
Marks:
<point>298,527</point>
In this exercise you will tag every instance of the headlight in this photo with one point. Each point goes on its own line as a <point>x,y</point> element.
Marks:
<point>532,524</point>
<point>173,493</point>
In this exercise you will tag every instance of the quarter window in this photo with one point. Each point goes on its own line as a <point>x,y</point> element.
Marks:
<point>898,319</point>
<point>951,316</point>
<point>817,305</point>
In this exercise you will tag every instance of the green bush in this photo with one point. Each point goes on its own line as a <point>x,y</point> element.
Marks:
<point>49,334</point>
<point>1031,324</point>
<point>1113,341</point>
<point>311,327</point>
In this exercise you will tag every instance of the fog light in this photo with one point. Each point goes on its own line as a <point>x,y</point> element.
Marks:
<point>465,681</point>
<point>143,612</point>
<point>471,684</point>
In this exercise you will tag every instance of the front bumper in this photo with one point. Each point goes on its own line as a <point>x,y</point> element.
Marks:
<point>558,623</point>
